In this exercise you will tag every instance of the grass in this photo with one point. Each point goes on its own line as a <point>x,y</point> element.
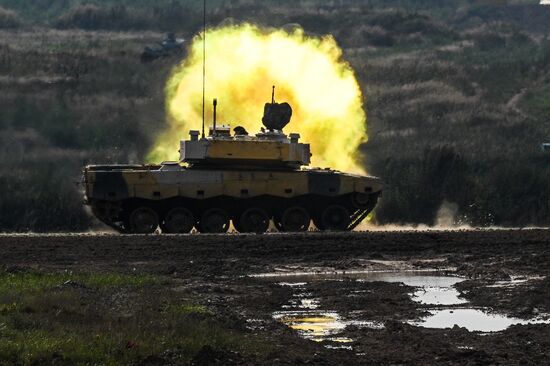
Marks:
<point>39,282</point>
<point>73,346</point>
<point>537,103</point>
<point>108,318</point>
<point>48,11</point>
<point>8,19</point>
<point>187,308</point>
<point>9,308</point>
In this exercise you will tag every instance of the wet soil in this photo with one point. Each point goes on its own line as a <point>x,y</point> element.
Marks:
<point>505,271</point>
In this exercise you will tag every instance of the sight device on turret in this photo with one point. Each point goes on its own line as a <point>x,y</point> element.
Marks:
<point>251,181</point>
<point>276,116</point>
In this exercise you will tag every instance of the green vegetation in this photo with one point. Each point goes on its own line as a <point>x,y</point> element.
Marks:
<point>456,92</point>
<point>47,12</point>
<point>186,309</point>
<point>8,19</point>
<point>537,102</point>
<point>109,318</point>
<point>39,282</point>
<point>131,342</point>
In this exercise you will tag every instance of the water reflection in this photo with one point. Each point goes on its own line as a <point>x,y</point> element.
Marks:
<point>472,319</point>
<point>315,326</point>
<point>434,290</point>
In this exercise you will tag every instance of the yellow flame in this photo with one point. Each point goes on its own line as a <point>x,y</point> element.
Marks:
<point>243,63</point>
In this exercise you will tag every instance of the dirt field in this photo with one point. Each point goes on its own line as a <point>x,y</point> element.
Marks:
<point>503,272</point>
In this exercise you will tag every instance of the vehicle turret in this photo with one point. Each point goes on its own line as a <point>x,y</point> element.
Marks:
<point>268,149</point>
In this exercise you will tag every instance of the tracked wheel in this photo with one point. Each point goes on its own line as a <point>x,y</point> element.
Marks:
<point>179,220</point>
<point>336,218</point>
<point>361,200</point>
<point>254,220</point>
<point>294,219</point>
<point>143,220</point>
<point>214,221</point>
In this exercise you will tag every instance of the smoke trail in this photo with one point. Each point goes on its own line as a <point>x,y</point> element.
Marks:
<point>243,62</point>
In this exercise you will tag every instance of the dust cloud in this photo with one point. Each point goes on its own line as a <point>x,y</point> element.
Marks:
<point>447,215</point>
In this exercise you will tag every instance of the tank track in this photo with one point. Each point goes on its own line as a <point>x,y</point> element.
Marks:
<point>357,218</point>
<point>362,213</point>
<point>122,217</point>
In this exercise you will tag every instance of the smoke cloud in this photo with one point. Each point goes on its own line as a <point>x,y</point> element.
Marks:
<point>243,62</point>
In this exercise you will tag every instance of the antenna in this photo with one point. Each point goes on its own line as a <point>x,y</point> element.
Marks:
<point>203,60</point>
<point>273,95</point>
<point>214,128</point>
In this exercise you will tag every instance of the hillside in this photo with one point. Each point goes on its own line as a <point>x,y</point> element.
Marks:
<point>458,100</point>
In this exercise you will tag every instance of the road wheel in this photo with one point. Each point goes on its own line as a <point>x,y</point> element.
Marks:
<point>214,220</point>
<point>254,220</point>
<point>295,219</point>
<point>143,220</point>
<point>179,220</point>
<point>336,218</point>
<point>361,200</point>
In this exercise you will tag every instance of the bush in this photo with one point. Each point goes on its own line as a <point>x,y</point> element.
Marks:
<point>90,16</point>
<point>9,18</point>
<point>399,22</point>
<point>378,37</point>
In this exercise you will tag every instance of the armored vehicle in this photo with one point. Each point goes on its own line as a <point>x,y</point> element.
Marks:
<point>251,181</point>
<point>169,46</point>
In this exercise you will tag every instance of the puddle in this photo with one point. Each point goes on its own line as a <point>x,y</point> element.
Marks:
<point>302,315</point>
<point>434,289</point>
<point>292,284</point>
<point>473,320</point>
<point>328,274</point>
<point>321,326</point>
<point>317,326</point>
<point>515,281</point>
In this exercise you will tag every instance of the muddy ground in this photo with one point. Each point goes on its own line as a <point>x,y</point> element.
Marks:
<point>213,271</point>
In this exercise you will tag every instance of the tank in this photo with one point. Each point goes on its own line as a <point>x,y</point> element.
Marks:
<point>256,182</point>
<point>169,46</point>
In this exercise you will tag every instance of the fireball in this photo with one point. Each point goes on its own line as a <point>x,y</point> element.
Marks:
<point>243,62</point>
